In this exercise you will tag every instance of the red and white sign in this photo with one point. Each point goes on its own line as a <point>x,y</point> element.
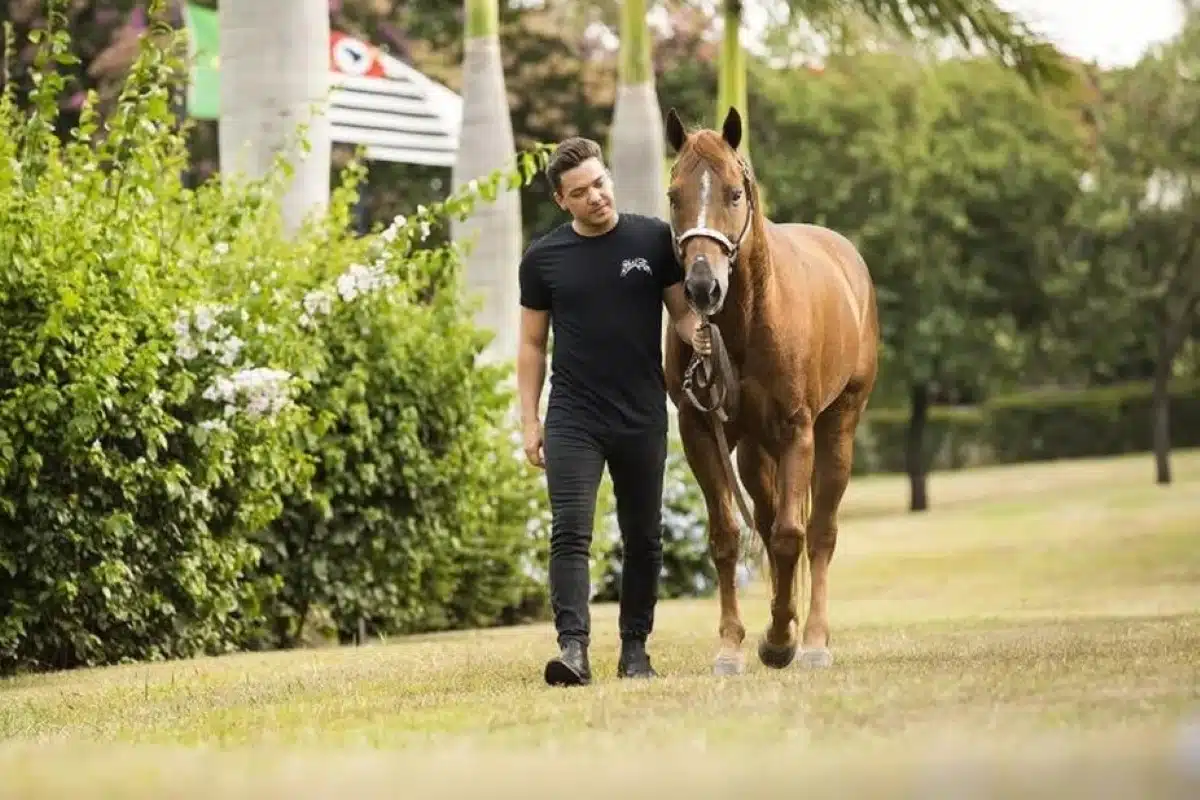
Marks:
<point>354,57</point>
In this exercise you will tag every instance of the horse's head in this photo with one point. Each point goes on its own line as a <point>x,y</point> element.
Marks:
<point>711,197</point>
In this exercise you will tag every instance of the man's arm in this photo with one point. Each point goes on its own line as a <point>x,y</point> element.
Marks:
<point>683,319</point>
<point>535,302</point>
<point>531,361</point>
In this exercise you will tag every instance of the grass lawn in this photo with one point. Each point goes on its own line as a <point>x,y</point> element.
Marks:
<point>1036,633</point>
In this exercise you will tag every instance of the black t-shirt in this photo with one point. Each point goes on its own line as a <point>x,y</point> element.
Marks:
<point>605,298</point>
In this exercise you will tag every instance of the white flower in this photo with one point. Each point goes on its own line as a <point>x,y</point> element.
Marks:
<point>232,347</point>
<point>393,230</point>
<point>263,391</point>
<point>347,287</point>
<point>318,302</point>
<point>219,388</point>
<point>424,230</point>
<point>204,318</point>
<point>360,279</point>
<point>182,325</point>
<point>186,350</point>
<point>221,248</point>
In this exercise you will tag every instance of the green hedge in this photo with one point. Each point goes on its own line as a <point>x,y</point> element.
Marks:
<point>1101,422</point>
<point>1031,426</point>
<point>952,440</point>
<point>212,429</point>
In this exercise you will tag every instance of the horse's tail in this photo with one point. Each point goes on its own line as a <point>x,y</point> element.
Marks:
<point>805,516</point>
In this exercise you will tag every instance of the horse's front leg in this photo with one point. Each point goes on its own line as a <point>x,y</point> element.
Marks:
<point>704,457</point>
<point>795,459</point>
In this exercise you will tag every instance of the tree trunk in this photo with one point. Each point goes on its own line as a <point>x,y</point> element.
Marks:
<point>301,622</point>
<point>491,235</point>
<point>731,80</point>
<point>274,67</point>
<point>914,447</point>
<point>1161,415</point>
<point>637,151</point>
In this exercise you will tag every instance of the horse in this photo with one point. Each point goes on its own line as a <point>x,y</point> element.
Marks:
<point>795,332</point>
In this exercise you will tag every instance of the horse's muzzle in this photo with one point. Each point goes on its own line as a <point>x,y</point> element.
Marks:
<point>703,290</point>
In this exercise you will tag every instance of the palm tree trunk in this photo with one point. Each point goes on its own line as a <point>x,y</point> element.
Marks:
<point>636,147</point>
<point>731,80</point>
<point>274,69</point>
<point>492,234</point>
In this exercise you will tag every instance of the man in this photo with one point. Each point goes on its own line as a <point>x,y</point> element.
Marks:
<point>602,278</point>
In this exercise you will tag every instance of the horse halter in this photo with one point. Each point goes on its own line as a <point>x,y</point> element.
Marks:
<point>731,248</point>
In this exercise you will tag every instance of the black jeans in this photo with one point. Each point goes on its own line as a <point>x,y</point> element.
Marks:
<point>575,460</point>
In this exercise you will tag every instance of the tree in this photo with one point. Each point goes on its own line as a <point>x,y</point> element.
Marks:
<point>275,80</point>
<point>637,148</point>
<point>952,180</point>
<point>492,233</point>
<point>1141,217</point>
<point>975,25</point>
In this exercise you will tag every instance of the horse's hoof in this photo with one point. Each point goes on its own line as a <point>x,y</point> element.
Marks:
<point>729,664</point>
<point>775,656</point>
<point>816,658</point>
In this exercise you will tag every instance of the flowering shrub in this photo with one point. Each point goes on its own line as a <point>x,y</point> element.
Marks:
<point>420,507</point>
<point>210,427</point>
<point>129,478</point>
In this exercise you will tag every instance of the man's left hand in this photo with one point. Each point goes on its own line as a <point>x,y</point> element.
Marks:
<point>702,340</point>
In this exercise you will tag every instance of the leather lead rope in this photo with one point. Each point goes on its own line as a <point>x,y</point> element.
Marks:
<point>716,378</point>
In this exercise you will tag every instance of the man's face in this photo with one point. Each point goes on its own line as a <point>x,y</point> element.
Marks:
<point>586,193</point>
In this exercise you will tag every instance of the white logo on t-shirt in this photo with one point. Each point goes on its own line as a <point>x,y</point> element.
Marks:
<point>630,264</point>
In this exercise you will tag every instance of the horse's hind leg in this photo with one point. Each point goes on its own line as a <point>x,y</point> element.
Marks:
<point>833,440</point>
<point>704,457</point>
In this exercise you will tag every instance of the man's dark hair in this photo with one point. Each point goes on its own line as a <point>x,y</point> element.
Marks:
<point>568,155</point>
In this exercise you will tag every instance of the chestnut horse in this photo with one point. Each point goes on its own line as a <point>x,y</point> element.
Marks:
<point>795,310</point>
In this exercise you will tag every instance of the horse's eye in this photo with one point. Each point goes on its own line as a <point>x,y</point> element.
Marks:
<point>735,195</point>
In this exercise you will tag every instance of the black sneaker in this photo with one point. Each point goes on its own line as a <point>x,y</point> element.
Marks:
<point>571,668</point>
<point>634,663</point>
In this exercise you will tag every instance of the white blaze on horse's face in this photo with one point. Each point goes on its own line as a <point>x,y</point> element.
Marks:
<point>705,193</point>
<point>705,260</point>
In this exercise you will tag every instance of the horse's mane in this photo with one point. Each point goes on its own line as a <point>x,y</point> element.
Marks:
<point>709,147</point>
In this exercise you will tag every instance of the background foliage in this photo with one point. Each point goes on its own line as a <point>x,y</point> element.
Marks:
<point>216,436</point>
<point>211,430</point>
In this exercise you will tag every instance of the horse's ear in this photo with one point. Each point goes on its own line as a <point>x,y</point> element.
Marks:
<point>675,132</point>
<point>731,130</point>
